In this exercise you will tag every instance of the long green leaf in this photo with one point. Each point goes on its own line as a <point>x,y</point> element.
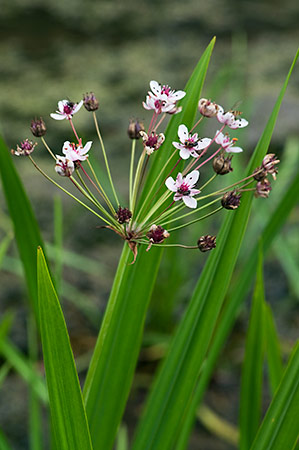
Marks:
<point>235,299</point>
<point>273,352</point>
<point>4,445</point>
<point>112,367</point>
<point>252,372</point>
<point>68,416</point>
<point>280,429</point>
<point>25,225</point>
<point>173,390</point>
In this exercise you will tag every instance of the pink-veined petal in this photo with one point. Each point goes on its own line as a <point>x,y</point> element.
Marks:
<point>171,184</point>
<point>194,192</point>
<point>189,201</point>
<point>183,133</point>
<point>61,105</point>
<point>177,145</point>
<point>178,95</point>
<point>177,197</point>
<point>192,178</point>
<point>194,154</point>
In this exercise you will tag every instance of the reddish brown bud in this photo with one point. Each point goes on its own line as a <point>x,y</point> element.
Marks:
<point>263,188</point>
<point>231,200</point>
<point>157,234</point>
<point>38,127</point>
<point>206,243</point>
<point>222,164</point>
<point>123,215</point>
<point>134,129</point>
<point>90,102</point>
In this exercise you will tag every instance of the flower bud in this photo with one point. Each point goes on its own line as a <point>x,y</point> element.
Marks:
<point>269,164</point>
<point>206,243</point>
<point>263,189</point>
<point>123,215</point>
<point>134,129</point>
<point>207,108</point>
<point>90,102</point>
<point>231,200</point>
<point>157,234</point>
<point>25,148</point>
<point>222,164</point>
<point>259,173</point>
<point>38,127</point>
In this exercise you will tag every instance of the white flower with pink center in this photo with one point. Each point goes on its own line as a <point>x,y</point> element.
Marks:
<point>229,119</point>
<point>66,110</point>
<point>76,152</point>
<point>162,98</point>
<point>190,144</point>
<point>64,166</point>
<point>183,188</point>
<point>227,143</point>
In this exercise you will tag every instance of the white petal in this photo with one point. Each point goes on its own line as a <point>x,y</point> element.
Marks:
<point>194,154</point>
<point>179,180</point>
<point>77,107</point>
<point>146,106</point>
<point>177,145</point>
<point>190,201</point>
<point>155,87</point>
<point>66,147</point>
<point>86,148</point>
<point>233,149</point>
<point>171,184</point>
<point>61,105</point>
<point>177,197</point>
<point>239,123</point>
<point>203,143</point>
<point>57,116</point>
<point>184,153</point>
<point>192,178</point>
<point>183,133</point>
<point>194,192</point>
<point>177,95</point>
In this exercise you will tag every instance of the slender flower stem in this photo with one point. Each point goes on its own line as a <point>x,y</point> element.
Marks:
<point>48,148</point>
<point>131,172</point>
<point>208,159</point>
<point>155,208</point>
<point>208,182</point>
<point>105,156</point>
<point>75,132</point>
<point>147,198</point>
<point>153,121</point>
<point>136,180</point>
<point>191,212</point>
<point>196,220</point>
<point>197,123</point>
<point>67,192</point>
<point>167,245</point>
<point>95,200</point>
<point>160,121</point>
<point>104,195</point>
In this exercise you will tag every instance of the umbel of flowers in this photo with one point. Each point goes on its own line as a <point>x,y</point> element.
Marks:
<point>173,198</point>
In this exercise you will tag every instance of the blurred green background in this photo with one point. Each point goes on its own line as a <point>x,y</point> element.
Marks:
<point>57,50</point>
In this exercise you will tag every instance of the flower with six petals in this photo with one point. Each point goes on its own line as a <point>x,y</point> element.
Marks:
<point>76,152</point>
<point>228,118</point>
<point>66,110</point>
<point>183,188</point>
<point>190,144</point>
<point>226,143</point>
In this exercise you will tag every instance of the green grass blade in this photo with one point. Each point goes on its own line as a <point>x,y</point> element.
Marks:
<point>273,352</point>
<point>58,241</point>
<point>112,367</point>
<point>174,387</point>
<point>68,416</point>
<point>236,297</point>
<point>27,232</point>
<point>252,371</point>
<point>280,429</point>
<point>4,445</point>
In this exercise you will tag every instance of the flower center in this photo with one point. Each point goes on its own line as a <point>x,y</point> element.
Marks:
<point>165,90</point>
<point>190,143</point>
<point>68,108</point>
<point>184,189</point>
<point>26,145</point>
<point>152,141</point>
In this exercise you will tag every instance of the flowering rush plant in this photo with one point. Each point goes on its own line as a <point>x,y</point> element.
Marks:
<point>176,199</point>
